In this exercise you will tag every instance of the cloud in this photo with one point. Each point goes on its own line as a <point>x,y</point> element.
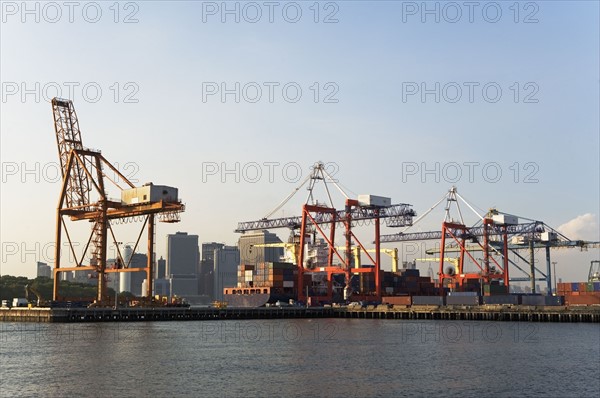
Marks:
<point>581,227</point>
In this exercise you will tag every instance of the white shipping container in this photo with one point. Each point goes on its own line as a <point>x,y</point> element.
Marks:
<point>518,240</point>
<point>149,193</point>
<point>373,200</point>
<point>505,219</point>
<point>549,236</point>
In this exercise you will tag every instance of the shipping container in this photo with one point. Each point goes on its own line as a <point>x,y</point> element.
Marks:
<point>407,272</point>
<point>505,219</point>
<point>535,299</point>
<point>373,200</point>
<point>495,289</point>
<point>502,299</point>
<point>589,299</point>
<point>574,287</point>
<point>462,294</point>
<point>532,299</point>
<point>428,300</point>
<point>583,286</point>
<point>397,300</point>
<point>463,300</point>
<point>596,286</point>
<point>555,300</point>
<point>548,236</point>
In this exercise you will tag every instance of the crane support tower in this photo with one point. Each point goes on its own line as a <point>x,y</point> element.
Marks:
<point>83,196</point>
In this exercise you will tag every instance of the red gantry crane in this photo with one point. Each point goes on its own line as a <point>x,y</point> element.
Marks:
<point>497,235</point>
<point>317,217</point>
<point>83,196</point>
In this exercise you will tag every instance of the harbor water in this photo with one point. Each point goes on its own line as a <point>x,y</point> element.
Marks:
<point>300,358</point>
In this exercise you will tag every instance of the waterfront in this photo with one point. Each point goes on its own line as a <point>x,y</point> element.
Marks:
<point>301,357</point>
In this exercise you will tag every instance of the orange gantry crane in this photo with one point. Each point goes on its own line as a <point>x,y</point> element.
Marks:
<point>317,217</point>
<point>83,196</point>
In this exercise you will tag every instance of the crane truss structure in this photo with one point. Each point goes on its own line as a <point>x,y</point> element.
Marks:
<point>499,239</point>
<point>83,196</point>
<point>316,218</point>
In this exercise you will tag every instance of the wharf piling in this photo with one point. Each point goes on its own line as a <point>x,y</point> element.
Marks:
<point>476,313</point>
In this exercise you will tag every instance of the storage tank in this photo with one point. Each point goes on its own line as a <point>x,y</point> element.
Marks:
<point>125,277</point>
<point>145,288</point>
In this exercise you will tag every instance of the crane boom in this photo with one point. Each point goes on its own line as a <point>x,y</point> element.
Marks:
<point>68,138</point>
<point>533,227</point>
<point>398,215</point>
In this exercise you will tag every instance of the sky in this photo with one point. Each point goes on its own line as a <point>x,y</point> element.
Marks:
<point>233,102</point>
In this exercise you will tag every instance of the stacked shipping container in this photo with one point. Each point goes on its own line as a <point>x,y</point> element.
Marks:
<point>579,293</point>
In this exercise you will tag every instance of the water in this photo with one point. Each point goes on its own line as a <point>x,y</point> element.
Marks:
<point>301,358</point>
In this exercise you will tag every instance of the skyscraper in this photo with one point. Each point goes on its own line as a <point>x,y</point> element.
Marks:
<point>226,261</point>
<point>183,263</point>
<point>206,278</point>
<point>161,268</point>
<point>43,269</point>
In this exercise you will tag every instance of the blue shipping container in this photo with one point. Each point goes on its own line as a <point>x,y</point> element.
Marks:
<point>532,300</point>
<point>554,300</point>
<point>575,287</point>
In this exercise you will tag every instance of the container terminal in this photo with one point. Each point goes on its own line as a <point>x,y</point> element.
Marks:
<point>317,276</point>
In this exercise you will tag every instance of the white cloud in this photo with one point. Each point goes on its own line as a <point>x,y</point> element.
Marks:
<point>581,227</point>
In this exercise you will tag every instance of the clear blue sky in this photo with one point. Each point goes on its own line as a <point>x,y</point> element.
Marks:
<point>375,132</point>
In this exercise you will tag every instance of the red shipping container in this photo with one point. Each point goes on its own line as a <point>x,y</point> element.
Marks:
<point>588,299</point>
<point>397,300</point>
<point>583,286</point>
<point>568,287</point>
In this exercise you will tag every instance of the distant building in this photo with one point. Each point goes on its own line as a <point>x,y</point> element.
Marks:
<point>138,260</point>
<point>226,261</point>
<point>206,278</point>
<point>161,268</point>
<point>67,276</point>
<point>81,277</point>
<point>44,270</point>
<point>182,264</point>
<point>252,255</point>
<point>162,287</point>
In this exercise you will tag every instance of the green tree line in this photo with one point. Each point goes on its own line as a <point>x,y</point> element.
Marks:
<point>14,286</point>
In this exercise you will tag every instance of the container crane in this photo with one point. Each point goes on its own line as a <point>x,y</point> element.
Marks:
<point>393,253</point>
<point>316,217</point>
<point>291,248</point>
<point>594,273</point>
<point>84,196</point>
<point>452,260</point>
<point>501,232</point>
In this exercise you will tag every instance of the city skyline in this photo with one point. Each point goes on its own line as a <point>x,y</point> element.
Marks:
<point>397,101</point>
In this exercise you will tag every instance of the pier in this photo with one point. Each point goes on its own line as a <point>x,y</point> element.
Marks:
<point>589,314</point>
